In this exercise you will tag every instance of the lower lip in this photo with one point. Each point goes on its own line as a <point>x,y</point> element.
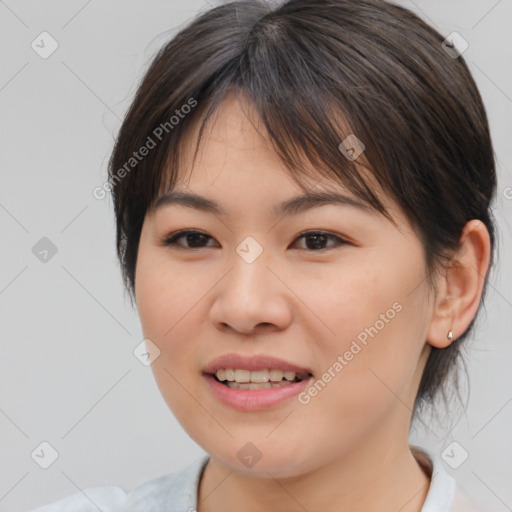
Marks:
<point>256,399</point>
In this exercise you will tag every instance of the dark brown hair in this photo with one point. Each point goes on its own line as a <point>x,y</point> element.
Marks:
<point>316,71</point>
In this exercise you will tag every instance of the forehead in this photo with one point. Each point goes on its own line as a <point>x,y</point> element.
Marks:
<point>235,147</point>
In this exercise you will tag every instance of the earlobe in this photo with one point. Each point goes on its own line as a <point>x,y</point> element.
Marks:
<point>441,330</point>
<point>460,288</point>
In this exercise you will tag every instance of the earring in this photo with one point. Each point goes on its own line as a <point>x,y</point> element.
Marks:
<point>450,335</point>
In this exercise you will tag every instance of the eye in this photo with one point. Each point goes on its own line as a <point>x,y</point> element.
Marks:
<point>318,238</point>
<point>196,240</point>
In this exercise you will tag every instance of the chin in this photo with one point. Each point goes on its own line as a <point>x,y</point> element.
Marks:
<point>264,463</point>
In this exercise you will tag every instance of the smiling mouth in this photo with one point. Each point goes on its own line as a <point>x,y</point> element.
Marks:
<point>257,379</point>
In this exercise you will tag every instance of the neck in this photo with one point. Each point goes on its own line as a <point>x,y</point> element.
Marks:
<point>379,476</point>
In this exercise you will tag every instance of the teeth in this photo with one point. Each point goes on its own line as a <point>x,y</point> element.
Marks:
<point>271,376</point>
<point>289,375</point>
<point>260,376</point>
<point>242,376</point>
<point>254,385</point>
<point>276,375</point>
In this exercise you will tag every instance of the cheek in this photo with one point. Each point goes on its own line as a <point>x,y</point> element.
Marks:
<point>165,295</point>
<point>166,301</point>
<point>171,303</point>
<point>377,318</point>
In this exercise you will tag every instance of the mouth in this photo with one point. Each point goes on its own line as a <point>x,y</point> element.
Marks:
<point>256,382</point>
<point>237,378</point>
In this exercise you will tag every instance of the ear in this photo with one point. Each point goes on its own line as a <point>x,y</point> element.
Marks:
<point>460,287</point>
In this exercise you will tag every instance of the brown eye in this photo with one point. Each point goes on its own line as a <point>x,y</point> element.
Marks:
<point>316,240</point>
<point>194,239</point>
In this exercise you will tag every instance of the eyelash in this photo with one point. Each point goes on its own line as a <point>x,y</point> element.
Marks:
<point>172,239</point>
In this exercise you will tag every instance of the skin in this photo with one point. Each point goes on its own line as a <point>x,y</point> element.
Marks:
<point>347,449</point>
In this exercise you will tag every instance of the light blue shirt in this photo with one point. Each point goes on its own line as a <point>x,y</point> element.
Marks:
<point>177,492</point>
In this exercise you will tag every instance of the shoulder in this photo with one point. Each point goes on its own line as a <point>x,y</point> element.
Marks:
<point>88,500</point>
<point>170,493</point>
<point>462,503</point>
<point>177,489</point>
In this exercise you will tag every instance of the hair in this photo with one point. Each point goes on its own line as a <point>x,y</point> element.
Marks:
<point>316,71</point>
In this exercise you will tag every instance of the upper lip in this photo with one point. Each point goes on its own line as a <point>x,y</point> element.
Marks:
<point>253,362</point>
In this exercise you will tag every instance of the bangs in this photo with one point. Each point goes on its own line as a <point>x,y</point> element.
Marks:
<point>303,116</point>
<point>300,144</point>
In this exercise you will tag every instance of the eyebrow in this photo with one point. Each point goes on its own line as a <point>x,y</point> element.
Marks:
<point>291,206</point>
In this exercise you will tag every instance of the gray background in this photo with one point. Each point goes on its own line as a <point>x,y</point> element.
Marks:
<point>68,374</point>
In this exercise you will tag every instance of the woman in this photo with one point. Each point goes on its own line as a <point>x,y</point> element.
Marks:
<point>302,196</point>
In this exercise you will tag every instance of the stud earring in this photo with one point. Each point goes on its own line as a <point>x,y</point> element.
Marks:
<point>450,335</point>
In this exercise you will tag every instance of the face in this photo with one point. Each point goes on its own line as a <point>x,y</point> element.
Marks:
<point>334,292</point>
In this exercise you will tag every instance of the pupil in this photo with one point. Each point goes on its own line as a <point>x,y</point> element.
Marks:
<point>190,238</point>
<point>316,239</point>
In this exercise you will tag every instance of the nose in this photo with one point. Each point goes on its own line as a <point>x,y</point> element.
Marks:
<point>252,298</point>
